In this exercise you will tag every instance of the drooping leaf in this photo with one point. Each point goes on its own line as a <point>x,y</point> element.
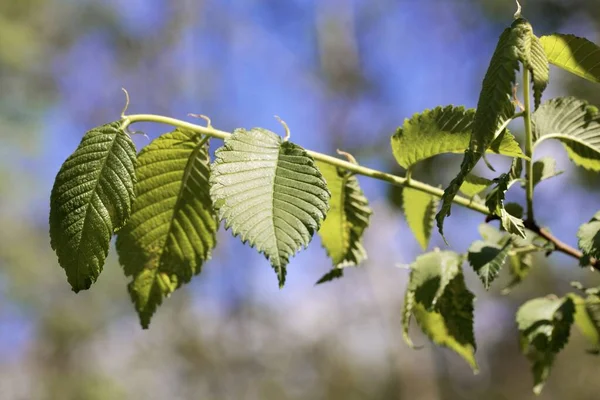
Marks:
<point>173,225</point>
<point>544,168</point>
<point>334,273</point>
<point>270,193</point>
<point>419,209</point>
<point>587,318</point>
<point>348,217</point>
<point>495,107</point>
<point>441,304</point>
<point>544,326</point>
<point>443,130</point>
<point>574,54</point>
<point>91,199</point>
<point>487,258</point>
<point>589,237</point>
<point>536,61</point>
<point>495,203</point>
<point>473,185</point>
<point>576,124</point>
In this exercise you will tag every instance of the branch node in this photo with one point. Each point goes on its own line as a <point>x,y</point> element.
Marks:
<point>286,127</point>
<point>348,156</point>
<point>204,117</point>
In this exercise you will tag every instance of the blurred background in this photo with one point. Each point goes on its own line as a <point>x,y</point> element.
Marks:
<point>342,74</point>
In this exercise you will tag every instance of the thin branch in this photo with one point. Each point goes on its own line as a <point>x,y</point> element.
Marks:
<point>372,173</point>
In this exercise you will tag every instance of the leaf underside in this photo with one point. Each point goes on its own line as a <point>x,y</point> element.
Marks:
<point>440,302</point>
<point>576,124</point>
<point>574,54</point>
<point>495,203</point>
<point>90,200</point>
<point>589,237</point>
<point>173,226</point>
<point>270,193</point>
<point>443,130</point>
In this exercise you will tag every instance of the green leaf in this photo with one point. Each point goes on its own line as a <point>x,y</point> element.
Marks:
<point>270,193</point>
<point>473,185</point>
<point>544,168</point>
<point>173,225</point>
<point>544,326</point>
<point>495,203</point>
<point>419,209</point>
<point>537,63</point>
<point>495,107</point>
<point>91,199</point>
<point>587,318</point>
<point>348,217</point>
<point>443,130</point>
<point>334,273</point>
<point>487,258</point>
<point>441,304</point>
<point>576,124</point>
<point>574,54</point>
<point>589,237</point>
<point>520,265</point>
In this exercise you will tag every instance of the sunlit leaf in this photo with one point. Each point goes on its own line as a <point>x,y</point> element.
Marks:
<point>587,318</point>
<point>173,226</point>
<point>576,124</point>
<point>419,209</point>
<point>91,199</point>
<point>574,54</point>
<point>443,130</point>
<point>270,193</point>
<point>473,185</point>
<point>589,237</point>
<point>544,326</point>
<point>441,304</point>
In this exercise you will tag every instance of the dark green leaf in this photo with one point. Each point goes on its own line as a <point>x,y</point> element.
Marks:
<point>495,203</point>
<point>173,226</point>
<point>544,168</point>
<point>91,199</point>
<point>544,326</point>
<point>270,193</point>
<point>487,258</point>
<point>334,273</point>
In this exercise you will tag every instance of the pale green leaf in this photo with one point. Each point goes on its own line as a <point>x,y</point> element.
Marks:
<point>443,130</point>
<point>348,217</point>
<point>520,265</point>
<point>574,54</point>
<point>487,258</point>
<point>544,168</point>
<point>589,237</point>
<point>270,193</point>
<point>441,304</point>
<point>419,209</point>
<point>91,199</point>
<point>544,326</point>
<point>576,124</point>
<point>587,318</point>
<point>473,185</point>
<point>173,226</point>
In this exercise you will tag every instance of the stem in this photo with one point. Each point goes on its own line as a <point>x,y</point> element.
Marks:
<point>372,173</point>
<point>528,143</point>
<point>357,169</point>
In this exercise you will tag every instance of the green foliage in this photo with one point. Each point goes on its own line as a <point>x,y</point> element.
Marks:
<point>270,193</point>
<point>441,303</point>
<point>473,185</point>
<point>544,326</point>
<point>90,200</point>
<point>576,124</point>
<point>544,168</point>
<point>173,226</point>
<point>495,203</point>
<point>577,55</point>
<point>419,209</point>
<point>348,217</point>
<point>587,318</point>
<point>443,130</point>
<point>487,257</point>
<point>589,237</point>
